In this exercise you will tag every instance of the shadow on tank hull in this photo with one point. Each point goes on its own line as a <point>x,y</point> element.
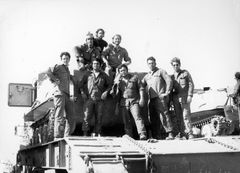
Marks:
<point>43,108</point>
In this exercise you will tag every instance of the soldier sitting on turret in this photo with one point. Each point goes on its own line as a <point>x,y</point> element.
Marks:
<point>87,51</point>
<point>98,40</point>
<point>114,55</point>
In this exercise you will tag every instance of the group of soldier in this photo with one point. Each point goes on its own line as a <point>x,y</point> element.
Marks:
<point>105,69</point>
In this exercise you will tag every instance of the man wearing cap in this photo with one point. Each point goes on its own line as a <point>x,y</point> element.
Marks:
<point>159,85</point>
<point>114,54</point>
<point>182,94</point>
<point>60,76</point>
<point>87,51</point>
<point>94,87</point>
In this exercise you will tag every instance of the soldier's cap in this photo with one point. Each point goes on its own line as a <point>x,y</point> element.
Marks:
<point>89,35</point>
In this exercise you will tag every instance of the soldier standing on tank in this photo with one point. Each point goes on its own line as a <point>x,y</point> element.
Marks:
<point>236,94</point>
<point>88,51</point>
<point>94,88</point>
<point>79,73</point>
<point>131,93</point>
<point>114,55</point>
<point>159,85</point>
<point>60,76</point>
<point>182,94</point>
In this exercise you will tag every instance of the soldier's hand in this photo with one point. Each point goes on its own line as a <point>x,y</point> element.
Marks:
<point>141,102</point>
<point>57,82</point>
<point>108,67</point>
<point>163,95</point>
<point>118,79</point>
<point>73,99</point>
<point>104,95</point>
<point>189,99</point>
<point>112,93</point>
<point>84,96</point>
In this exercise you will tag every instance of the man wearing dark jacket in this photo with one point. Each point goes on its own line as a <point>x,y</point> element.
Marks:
<point>87,51</point>
<point>94,88</point>
<point>60,76</point>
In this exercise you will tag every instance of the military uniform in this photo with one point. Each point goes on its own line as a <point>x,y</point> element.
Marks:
<point>63,121</point>
<point>129,104</point>
<point>115,56</point>
<point>100,43</point>
<point>87,53</point>
<point>236,97</point>
<point>94,86</point>
<point>79,102</point>
<point>158,83</point>
<point>183,87</point>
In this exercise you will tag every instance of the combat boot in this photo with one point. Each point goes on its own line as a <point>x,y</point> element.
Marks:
<point>190,136</point>
<point>143,137</point>
<point>99,135</point>
<point>85,133</point>
<point>170,136</point>
<point>180,136</point>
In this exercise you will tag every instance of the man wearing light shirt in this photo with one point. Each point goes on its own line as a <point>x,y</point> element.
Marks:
<point>114,54</point>
<point>159,85</point>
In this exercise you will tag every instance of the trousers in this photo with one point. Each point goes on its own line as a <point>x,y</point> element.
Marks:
<point>182,112</point>
<point>132,110</point>
<point>64,123</point>
<point>93,107</point>
<point>158,109</point>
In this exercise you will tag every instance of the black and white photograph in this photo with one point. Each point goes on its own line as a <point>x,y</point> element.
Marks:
<point>110,86</point>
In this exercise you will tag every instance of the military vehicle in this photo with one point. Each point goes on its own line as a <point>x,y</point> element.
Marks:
<point>115,152</point>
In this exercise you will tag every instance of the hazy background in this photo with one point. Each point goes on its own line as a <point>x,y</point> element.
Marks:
<point>205,34</point>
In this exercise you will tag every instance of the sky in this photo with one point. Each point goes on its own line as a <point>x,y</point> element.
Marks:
<point>204,34</point>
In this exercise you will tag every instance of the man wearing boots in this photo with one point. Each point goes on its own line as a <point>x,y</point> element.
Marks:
<point>183,87</point>
<point>159,85</point>
<point>131,93</point>
<point>94,88</point>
